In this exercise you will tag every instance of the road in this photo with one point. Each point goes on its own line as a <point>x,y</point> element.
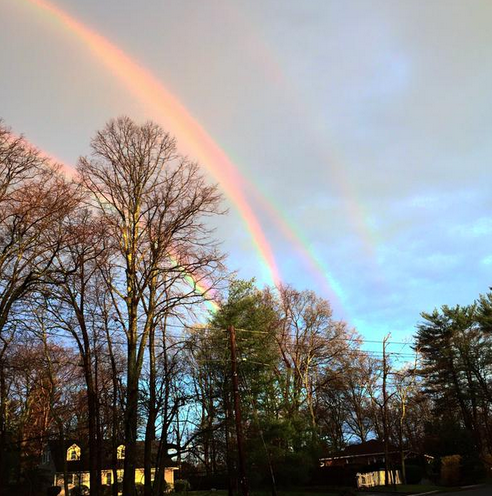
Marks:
<point>478,491</point>
<point>474,491</point>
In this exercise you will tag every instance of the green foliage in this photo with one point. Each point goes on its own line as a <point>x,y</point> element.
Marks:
<point>245,308</point>
<point>446,436</point>
<point>484,314</point>
<point>250,311</point>
<point>288,347</point>
<point>456,346</point>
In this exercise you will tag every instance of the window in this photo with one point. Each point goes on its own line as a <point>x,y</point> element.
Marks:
<point>73,453</point>
<point>120,452</point>
<point>108,478</point>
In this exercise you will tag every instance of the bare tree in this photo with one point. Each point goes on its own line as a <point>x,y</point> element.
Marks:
<point>359,378</point>
<point>74,307</point>
<point>153,203</point>
<point>311,343</point>
<point>43,380</point>
<point>405,382</point>
<point>35,201</point>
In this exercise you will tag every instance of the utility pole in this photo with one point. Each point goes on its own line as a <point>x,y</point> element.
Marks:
<point>385,413</point>
<point>243,482</point>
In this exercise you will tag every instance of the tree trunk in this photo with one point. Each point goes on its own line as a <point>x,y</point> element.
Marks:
<point>152,415</point>
<point>243,482</point>
<point>131,422</point>
<point>3,395</point>
<point>94,451</point>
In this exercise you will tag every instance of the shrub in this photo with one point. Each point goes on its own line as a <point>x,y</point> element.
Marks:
<point>487,463</point>
<point>79,491</point>
<point>181,486</point>
<point>451,470</point>
<point>293,470</point>
<point>53,491</point>
<point>106,490</point>
<point>414,474</point>
<point>140,489</point>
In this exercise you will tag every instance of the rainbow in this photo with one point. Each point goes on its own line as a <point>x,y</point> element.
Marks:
<point>199,285</point>
<point>165,107</point>
<point>161,103</point>
<point>202,290</point>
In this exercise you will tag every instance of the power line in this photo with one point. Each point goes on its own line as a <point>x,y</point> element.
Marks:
<point>352,351</point>
<point>323,339</point>
<point>352,340</point>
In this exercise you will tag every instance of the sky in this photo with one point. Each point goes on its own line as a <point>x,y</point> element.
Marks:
<point>351,138</point>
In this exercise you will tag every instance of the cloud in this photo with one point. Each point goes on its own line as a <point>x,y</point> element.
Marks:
<point>486,260</point>
<point>474,229</point>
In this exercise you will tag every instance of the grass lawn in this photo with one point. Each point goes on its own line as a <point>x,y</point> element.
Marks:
<point>297,492</point>
<point>407,488</point>
<point>319,491</point>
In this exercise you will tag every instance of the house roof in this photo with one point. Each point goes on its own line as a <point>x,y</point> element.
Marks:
<point>372,447</point>
<point>58,450</point>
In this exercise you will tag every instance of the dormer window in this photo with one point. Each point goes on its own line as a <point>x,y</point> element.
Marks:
<point>120,452</point>
<point>73,453</point>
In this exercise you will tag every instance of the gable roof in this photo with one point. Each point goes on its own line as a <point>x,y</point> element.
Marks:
<point>372,447</point>
<point>58,450</point>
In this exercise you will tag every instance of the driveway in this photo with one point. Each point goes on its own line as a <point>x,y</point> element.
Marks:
<point>477,491</point>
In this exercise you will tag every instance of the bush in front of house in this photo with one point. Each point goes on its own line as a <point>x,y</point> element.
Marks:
<point>451,470</point>
<point>106,490</point>
<point>414,474</point>
<point>181,486</point>
<point>79,491</point>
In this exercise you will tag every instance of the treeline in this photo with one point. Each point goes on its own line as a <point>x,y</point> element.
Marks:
<point>101,278</point>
